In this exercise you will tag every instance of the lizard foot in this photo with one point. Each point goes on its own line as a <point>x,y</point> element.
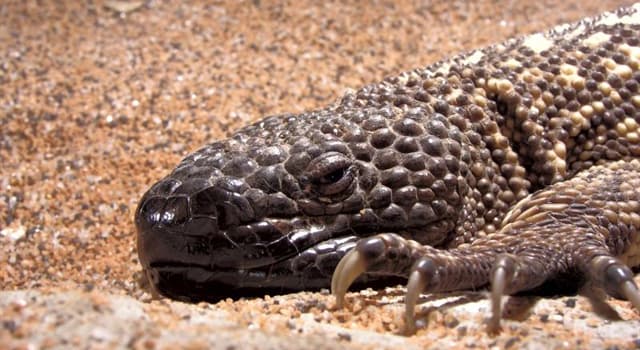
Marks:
<point>505,273</point>
<point>551,242</point>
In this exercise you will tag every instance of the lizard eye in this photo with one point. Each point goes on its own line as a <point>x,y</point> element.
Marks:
<point>334,176</point>
<point>331,173</point>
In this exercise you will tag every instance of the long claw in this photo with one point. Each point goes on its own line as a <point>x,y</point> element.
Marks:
<point>631,292</point>
<point>497,290</point>
<point>501,275</point>
<point>422,275</point>
<point>616,279</point>
<point>349,268</point>
<point>619,281</point>
<point>415,287</point>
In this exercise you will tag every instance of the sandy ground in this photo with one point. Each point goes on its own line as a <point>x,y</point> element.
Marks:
<point>100,99</point>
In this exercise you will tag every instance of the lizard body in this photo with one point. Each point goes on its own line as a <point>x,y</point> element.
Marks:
<point>513,167</point>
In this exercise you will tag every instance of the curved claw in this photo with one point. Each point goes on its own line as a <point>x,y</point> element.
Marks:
<point>349,268</point>
<point>616,278</point>
<point>415,287</point>
<point>502,274</point>
<point>619,280</point>
<point>631,292</point>
<point>422,275</point>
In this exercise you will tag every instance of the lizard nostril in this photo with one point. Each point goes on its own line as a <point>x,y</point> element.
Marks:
<point>229,208</point>
<point>203,203</point>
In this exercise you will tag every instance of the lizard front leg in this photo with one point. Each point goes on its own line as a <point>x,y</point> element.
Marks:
<point>582,229</point>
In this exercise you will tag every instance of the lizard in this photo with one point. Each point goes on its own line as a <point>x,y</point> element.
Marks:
<point>514,168</point>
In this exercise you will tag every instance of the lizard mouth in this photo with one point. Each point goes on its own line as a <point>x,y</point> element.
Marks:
<point>196,260</point>
<point>193,283</point>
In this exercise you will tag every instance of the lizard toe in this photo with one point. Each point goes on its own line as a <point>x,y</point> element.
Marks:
<point>502,273</point>
<point>615,278</point>
<point>349,268</point>
<point>384,254</point>
<point>424,273</point>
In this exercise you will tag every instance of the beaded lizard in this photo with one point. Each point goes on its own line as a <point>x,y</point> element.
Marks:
<point>514,167</point>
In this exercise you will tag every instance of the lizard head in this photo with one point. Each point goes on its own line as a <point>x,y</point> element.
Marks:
<point>276,205</point>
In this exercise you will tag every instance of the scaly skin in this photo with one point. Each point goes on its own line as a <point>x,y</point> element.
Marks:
<point>513,167</point>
